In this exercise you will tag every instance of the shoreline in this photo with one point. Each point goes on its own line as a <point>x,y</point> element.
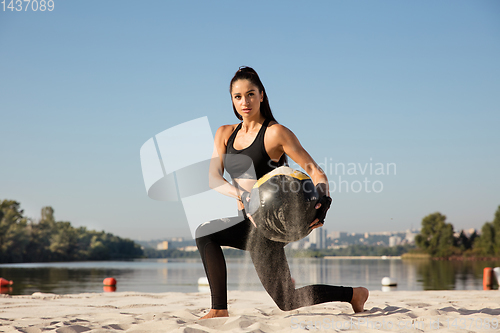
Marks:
<point>249,311</point>
<point>362,257</point>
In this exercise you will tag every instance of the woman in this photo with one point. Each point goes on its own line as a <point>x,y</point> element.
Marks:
<point>267,143</point>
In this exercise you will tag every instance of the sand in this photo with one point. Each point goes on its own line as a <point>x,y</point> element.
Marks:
<point>250,311</point>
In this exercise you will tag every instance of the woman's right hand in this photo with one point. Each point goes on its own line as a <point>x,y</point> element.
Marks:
<point>245,199</point>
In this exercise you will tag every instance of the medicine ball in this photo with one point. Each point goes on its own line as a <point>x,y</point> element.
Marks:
<point>282,204</point>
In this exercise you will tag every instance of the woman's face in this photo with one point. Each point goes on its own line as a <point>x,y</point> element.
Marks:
<point>246,98</point>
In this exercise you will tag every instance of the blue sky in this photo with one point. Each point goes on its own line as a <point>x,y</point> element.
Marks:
<point>415,83</point>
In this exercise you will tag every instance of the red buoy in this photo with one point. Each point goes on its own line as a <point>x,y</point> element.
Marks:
<point>109,281</point>
<point>4,282</point>
<point>109,289</point>
<point>487,278</point>
<point>5,290</point>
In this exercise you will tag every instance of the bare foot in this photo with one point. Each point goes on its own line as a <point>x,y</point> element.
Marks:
<point>359,297</point>
<point>213,313</point>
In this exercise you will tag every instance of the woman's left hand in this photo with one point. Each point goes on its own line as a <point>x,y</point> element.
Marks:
<point>322,207</point>
<point>316,224</point>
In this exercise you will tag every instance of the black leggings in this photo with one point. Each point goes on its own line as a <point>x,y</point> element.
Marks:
<point>270,263</point>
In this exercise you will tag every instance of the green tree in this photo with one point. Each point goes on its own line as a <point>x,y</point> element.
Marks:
<point>488,243</point>
<point>485,244</point>
<point>465,243</point>
<point>496,227</point>
<point>436,236</point>
<point>48,215</point>
<point>64,242</point>
<point>48,240</point>
<point>14,235</point>
<point>41,233</point>
<point>98,250</point>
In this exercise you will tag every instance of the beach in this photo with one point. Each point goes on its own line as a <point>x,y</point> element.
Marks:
<point>250,311</point>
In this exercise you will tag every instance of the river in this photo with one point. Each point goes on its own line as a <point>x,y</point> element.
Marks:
<point>181,275</point>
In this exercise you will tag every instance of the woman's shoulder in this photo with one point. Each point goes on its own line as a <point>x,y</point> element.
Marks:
<point>276,129</point>
<point>224,132</point>
<point>227,128</point>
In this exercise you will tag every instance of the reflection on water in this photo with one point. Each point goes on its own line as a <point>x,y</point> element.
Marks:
<point>79,277</point>
<point>355,272</point>
<point>181,275</point>
<point>462,275</point>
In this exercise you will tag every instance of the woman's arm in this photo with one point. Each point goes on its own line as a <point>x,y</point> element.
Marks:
<point>292,147</point>
<point>216,171</point>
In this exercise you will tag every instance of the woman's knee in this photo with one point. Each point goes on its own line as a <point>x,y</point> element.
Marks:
<point>200,231</point>
<point>201,239</point>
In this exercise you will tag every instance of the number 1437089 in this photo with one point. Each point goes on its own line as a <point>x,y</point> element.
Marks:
<point>27,5</point>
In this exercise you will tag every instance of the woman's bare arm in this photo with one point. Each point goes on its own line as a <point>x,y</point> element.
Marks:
<point>293,148</point>
<point>216,171</point>
<point>285,138</point>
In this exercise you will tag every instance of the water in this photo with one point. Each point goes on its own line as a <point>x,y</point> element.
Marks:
<point>181,275</point>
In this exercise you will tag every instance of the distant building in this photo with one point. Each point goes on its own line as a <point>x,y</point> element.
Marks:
<point>470,231</point>
<point>336,234</point>
<point>298,244</point>
<point>318,238</point>
<point>410,236</point>
<point>379,233</point>
<point>188,248</point>
<point>162,245</point>
<point>394,240</point>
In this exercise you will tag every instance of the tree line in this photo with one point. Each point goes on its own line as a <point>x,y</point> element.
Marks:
<point>438,238</point>
<point>25,240</point>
